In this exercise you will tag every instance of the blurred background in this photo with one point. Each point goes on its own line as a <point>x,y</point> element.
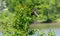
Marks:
<point>29,17</point>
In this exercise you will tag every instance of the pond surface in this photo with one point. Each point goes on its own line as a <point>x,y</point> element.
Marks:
<point>1,34</point>
<point>56,30</point>
<point>46,28</point>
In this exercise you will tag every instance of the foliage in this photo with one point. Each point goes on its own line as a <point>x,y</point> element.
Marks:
<point>17,23</point>
<point>51,33</point>
<point>32,31</point>
<point>42,34</point>
<point>23,19</point>
<point>17,19</point>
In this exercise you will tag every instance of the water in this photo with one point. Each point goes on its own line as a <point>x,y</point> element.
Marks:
<point>56,31</point>
<point>0,33</point>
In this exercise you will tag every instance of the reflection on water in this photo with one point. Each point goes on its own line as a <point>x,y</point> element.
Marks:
<point>56,30</point>
<point>0,33</point>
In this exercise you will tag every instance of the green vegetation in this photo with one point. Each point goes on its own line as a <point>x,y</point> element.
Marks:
<point>21,13</point>
<point>50,33</point>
